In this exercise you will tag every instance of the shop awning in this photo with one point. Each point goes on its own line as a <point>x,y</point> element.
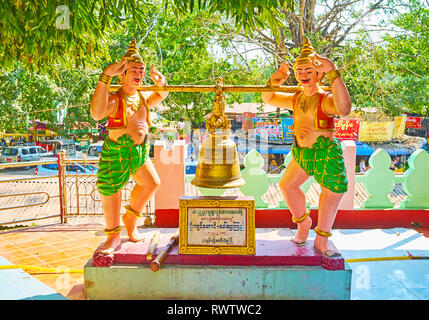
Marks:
<point>263,149</point>
<point>393,149</point>
<point>363,149</point>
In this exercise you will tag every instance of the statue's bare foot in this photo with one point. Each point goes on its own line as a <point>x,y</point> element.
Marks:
<point>110,245</point>
<point>302,232</point>
<point>324,247</point>
<point>130,222</point>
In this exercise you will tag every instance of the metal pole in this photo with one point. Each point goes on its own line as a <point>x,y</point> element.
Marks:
<point>60,187</point>
<point>34,130</point>
<point>226,88</point>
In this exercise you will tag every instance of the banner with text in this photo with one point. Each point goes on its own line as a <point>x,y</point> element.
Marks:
<point>267,128</point>
<point>414,122</point>
<point>287,129</point>
<point>347,129</point>
<point>399,129</point>
<point>376,131</point>
<point>247,121</point>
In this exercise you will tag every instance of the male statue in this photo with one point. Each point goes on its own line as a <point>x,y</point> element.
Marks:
<point>125,151</point>
<point>316,152</point>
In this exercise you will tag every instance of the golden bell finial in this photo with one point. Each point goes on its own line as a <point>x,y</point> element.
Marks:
<point>306,55</point>
<point>218,165</point>
<point>133,54</point>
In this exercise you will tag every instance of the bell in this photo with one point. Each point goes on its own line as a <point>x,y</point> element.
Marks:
<point>218,166</point>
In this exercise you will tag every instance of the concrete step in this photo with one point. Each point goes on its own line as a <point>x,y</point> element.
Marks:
<point>279,270</point>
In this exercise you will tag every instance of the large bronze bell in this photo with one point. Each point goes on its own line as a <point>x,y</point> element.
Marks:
<point>218,166</point>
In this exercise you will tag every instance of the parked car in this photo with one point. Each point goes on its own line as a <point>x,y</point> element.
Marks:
<point>20,154</point>
<point>41,151</point>
<point>54,147</point>
<point>73,168</point>
<point>95,149</point>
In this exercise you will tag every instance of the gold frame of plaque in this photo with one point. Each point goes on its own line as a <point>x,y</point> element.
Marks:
<point>217,225</point>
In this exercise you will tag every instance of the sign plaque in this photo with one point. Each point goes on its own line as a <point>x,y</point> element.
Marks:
<point>217,225</point>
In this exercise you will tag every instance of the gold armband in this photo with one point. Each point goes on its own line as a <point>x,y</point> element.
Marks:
<point>131,211</point>
<point>298,220</point>
<point>322,233</point>
<point>105,79</point>
<point>332,75</point>
<point>112,231</point>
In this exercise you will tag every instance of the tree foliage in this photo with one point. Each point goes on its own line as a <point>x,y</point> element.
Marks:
<point>185,58</point>
<point>22,95</point>
<point>179,48</point>
<point>246,14</point>
<point>46,68</point>
<point>44,35</point>
<point>392,73</point>
<point>389,73</point>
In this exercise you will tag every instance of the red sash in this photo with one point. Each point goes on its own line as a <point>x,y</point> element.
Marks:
<point>322,121</point>
<point>118,120</point>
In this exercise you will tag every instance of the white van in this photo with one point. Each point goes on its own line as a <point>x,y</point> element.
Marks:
<point>20,154</point>
<point>41,151</point>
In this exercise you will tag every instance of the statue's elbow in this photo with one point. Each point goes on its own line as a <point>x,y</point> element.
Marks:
<point>266,97</point>
<point>345,109</point>
<point>95,115</point>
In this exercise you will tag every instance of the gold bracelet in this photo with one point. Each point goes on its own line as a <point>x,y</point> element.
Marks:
<point>332,75</point>
<point>322,233</point>
<point>133,212</point>
<point>304,216</point>
<point>105,79</point>
<point>112,231</point>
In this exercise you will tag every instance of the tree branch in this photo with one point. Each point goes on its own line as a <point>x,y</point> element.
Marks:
<point>346,32</point>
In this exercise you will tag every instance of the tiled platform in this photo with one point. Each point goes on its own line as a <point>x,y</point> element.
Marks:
<point>273,248</point>
<point>15,284</point>
<point>55,246</point>
<point>279,270</point>
<point>71,246</point>
<point>386,280</point>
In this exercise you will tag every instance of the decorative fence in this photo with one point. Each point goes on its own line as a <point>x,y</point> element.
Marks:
<point>379,187</point>
<point>63,195</point>
<point>68,191</point>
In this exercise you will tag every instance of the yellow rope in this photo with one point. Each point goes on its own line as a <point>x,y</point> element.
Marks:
<point>384,259</point>
<point>376,259</point>
<point>57,270</point>
<point>50,270</point>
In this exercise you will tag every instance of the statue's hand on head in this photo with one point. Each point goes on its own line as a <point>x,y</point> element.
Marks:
<point>280,76</point>
<point>116,68</point>
<point>322,64</point>
<point>157,77</point>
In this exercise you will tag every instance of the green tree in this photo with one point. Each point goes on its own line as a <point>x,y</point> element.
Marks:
<point>392,73</point>
<point>47,35</point>
<point>23,94</point>
<point>409,59</point>
<point>185,58</point>
<point>50,34</point>
<point>388,73</point>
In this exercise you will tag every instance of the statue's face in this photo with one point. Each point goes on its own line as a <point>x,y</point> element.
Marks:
<point>306,75</point>
<point>134,74</point>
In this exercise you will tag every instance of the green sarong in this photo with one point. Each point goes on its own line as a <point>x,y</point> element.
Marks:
<point>118,161</point>
<point>324,160</point>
